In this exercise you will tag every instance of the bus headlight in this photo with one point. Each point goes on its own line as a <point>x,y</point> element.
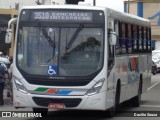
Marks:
<point>96,88</point>
<point>19,85</point>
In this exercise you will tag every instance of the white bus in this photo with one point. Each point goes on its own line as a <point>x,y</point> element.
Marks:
<point>80,57</point>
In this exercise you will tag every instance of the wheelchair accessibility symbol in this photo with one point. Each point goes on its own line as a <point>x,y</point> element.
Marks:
<point>52,70</point>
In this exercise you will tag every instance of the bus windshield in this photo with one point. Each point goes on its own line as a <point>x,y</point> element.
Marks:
<point>60,51</point>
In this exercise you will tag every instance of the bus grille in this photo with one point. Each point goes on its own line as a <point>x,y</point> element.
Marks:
<point>73,102</point>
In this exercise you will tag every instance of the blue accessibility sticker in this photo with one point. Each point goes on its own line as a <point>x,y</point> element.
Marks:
<point>52,70</point>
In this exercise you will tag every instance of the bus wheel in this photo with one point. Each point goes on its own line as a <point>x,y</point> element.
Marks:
<point>154,71</point>
<point>43,111</point>
<point>137,99</point>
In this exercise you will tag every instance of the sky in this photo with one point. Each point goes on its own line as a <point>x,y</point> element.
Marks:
<point>114,4</point>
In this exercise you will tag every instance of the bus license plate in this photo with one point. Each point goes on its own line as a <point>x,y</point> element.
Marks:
<point>56,106</point>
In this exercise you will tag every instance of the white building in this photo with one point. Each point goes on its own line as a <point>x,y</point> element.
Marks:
<point>11,4</point>
<point>108,3</point>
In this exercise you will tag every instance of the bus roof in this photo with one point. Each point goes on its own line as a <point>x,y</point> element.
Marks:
<point>129,18</point>
<point>64,7</point>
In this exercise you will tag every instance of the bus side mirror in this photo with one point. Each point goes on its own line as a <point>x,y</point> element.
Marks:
<point>112,38</point>
<point>8,36</point>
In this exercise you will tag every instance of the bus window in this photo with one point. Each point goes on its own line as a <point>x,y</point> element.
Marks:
<point>135,38</point>
<point>144,39</point>
<point>84,56</point>
<point>123,38</point>
<point>116,29</point>
<point>140,38</point>
<point>149,40</point>
<point>129,39</point>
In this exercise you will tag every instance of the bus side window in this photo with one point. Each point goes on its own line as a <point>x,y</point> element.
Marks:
<point>135,46</point>
<point>129,39</point>
<point>149,39</point>
<point>140,38</point>
<point>123,38</point>
<point>116,29</point>
<point>144,39</point>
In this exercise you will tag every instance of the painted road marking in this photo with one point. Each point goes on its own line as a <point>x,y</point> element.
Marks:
<point>152,86</point>
<point>153,106</point>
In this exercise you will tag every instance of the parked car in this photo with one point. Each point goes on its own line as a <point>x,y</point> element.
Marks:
<point>158,65</point>
<point>155,61</point>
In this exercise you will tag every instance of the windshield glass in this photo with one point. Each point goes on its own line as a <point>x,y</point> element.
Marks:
<point>60,51</point>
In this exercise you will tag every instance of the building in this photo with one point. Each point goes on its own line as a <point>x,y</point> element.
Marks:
<point>17,4</point>
<point>12,4</point>
<point>5,16</point>
<point>149,9</point>
<point>9,10</point>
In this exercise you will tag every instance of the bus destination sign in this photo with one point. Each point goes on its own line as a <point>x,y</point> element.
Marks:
<point>63,16</point>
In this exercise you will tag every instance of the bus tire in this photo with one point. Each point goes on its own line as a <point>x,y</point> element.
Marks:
<point>137,99</point>
<point>154,71</point>
<point>112,111</point>
<point>43,111</point>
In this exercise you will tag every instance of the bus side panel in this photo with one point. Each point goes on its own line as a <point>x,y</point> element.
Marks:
<point>121,74</point>
<point>147,81</point>
<point>132,68</point>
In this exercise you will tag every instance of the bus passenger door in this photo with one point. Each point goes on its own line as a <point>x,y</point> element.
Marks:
<point>111,53</point>
<point>111,49</point>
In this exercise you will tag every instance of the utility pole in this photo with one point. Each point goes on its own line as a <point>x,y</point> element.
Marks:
<point>94,2</point>
<point>128,5</point>
<point>38,2</point>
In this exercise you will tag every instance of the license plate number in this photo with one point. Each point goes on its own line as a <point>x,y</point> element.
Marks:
<point>56,106</point>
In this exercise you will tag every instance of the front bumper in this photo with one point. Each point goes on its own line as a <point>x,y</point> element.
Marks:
<point>94,102</point>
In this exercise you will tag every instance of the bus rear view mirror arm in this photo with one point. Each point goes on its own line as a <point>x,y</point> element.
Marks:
<point>8,36</point>
<point>112,38</point>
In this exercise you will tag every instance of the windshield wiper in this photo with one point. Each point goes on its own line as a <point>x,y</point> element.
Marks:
<point>74,36</point>
<point>53,45</point>
<point>48,38</point>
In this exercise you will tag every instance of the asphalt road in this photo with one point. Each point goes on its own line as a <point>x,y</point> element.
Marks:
<point>150,105</point>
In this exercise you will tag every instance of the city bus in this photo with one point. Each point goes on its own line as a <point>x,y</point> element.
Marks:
<point>79,57</point>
